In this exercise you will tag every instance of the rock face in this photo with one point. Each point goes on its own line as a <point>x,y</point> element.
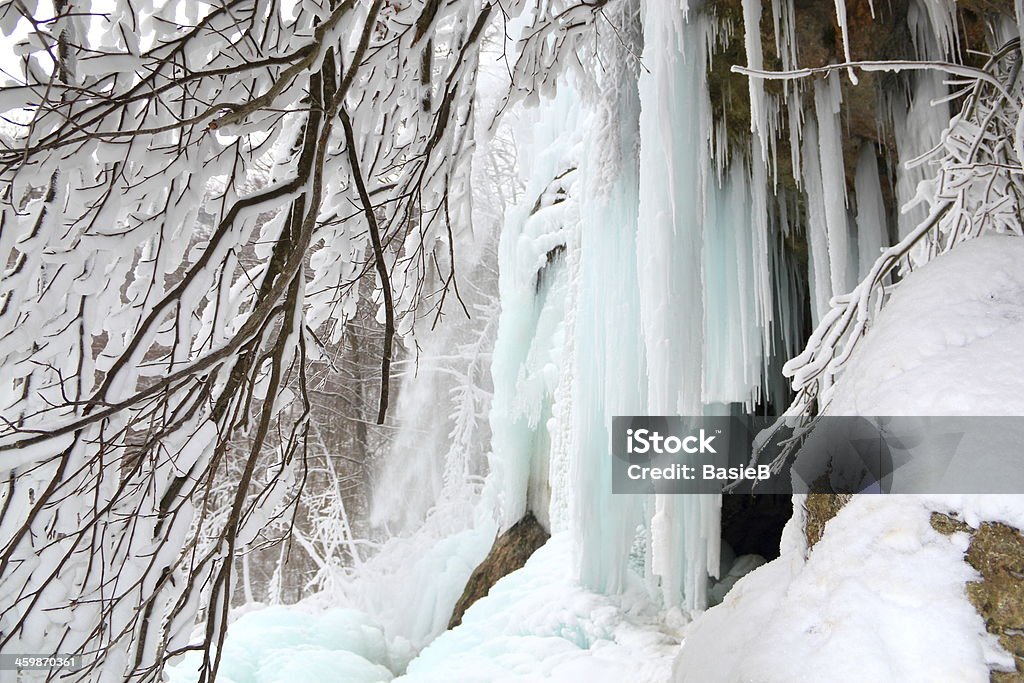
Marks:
<point>510,552</point>
<point>996,551</point>
<point>877,31</point>
<point>819,508</point>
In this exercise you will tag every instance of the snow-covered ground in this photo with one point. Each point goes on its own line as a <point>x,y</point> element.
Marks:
<point>881,597</point>
<point>364,630</point>
<point>538,624</point>
<point>277,644</point>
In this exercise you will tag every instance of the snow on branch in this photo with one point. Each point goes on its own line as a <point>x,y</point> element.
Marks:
<point>978,188</point>
<point>195,201</point>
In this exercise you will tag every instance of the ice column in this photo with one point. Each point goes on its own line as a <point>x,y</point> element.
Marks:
<point>674,126</point>
<point>872,230</point>
<point>919,123</point>
<point>609,355</point>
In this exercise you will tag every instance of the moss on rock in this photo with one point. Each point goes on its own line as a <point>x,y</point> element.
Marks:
<point>996,552</point>
<point>819,508</point>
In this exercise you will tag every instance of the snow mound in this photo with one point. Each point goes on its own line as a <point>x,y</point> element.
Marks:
<point>538,624</point>
<point>947,343</point>
<point>277,644</point>
<point>881,597</point>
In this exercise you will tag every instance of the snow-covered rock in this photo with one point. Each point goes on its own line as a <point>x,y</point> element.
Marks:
<point>538,624</point>
<point>947,343</point>
<point>881,597</point>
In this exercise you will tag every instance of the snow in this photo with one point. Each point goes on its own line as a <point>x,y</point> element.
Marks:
<point>287,644</point>
<point>881,596</point>
<point>536,624</point>
<point>944,344</point>
<point>539,624</point>
<point>413,581</point>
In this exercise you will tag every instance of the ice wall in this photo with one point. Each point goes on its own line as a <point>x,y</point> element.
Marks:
<point>649,270</point>
<point>669,296</point>
<point>667,290</point>
<point>609,364</point>
<point>687,296</point>
<point>535,255</point>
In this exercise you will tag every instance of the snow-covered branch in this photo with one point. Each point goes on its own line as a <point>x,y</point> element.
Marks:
<point>194,204</point>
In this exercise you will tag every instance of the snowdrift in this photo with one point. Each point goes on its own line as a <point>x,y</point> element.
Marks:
<point>882,596</point>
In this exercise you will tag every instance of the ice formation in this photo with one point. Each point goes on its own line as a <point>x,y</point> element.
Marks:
<point>643,271</point>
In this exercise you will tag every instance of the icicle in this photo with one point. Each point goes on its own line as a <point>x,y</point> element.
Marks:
<point>919,129</point>
<point>844,29</point>
<point>755,61</point>
<point>608,349</point>
<point>609,362</point>
<point>670,216</point>
<point>933,28</point>
<point>762,290</point>
<point>872,233</point>
<point>817,238</point>
<point>788,295</point>
<point>919,124</point>
<point>833,180</point>
<point>796,126</point>
<point>732,350</point>
<point>783,20</point>
<point>674,170</point>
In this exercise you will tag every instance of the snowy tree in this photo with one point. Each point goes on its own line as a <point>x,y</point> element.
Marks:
<point>195,199</point>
